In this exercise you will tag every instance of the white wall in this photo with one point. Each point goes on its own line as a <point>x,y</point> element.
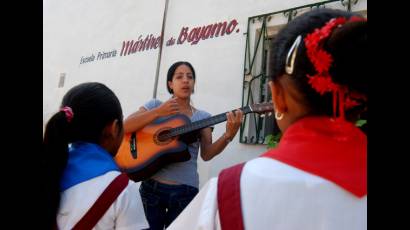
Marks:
<point>73,29</point>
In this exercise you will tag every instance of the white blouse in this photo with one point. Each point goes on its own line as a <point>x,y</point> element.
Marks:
<point>275,195</point>
<point>127,211</point>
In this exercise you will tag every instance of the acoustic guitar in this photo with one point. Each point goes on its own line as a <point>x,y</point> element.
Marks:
<point>166,141</point>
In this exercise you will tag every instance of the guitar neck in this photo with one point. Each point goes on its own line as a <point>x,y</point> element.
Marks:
<point>204,123</point>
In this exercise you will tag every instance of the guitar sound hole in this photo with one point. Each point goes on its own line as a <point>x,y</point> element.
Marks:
<point>163,135</point>
<point>162,138</point>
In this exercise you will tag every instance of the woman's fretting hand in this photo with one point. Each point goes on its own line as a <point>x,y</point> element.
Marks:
<point>233,123</point>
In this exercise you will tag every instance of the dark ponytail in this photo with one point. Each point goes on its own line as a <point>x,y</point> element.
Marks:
<point>55,147</point>
<point>93,107</point>
<point>348,46</point>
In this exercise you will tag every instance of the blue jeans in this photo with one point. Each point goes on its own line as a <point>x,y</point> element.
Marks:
<point>164,202</point>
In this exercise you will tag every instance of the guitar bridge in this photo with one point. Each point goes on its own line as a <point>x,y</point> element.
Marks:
<point>133,145</point>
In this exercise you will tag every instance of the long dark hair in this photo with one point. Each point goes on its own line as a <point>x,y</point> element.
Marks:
<point>347,45</point>
<point>94,106</point>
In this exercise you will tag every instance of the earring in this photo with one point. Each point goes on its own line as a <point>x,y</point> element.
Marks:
<point>278,115</point>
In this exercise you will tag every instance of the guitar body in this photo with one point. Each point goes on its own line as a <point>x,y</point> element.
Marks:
<point>150,152</point>
<point>165,141</point>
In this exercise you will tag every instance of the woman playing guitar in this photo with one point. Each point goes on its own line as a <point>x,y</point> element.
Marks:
<point>171,189</point>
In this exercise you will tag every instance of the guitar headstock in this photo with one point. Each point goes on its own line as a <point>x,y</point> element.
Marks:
<point>262,107</point>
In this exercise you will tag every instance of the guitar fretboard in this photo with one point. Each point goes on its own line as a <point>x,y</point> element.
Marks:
<point>201,124</point>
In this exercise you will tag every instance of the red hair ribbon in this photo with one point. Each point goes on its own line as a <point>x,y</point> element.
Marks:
<point>68,113</point>
<point>322,60</point>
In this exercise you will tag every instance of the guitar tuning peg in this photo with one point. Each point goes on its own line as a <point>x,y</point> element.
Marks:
<point>262,115</point>
<point>270,114</point>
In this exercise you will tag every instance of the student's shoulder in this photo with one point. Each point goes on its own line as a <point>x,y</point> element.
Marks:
<point>129,191</point>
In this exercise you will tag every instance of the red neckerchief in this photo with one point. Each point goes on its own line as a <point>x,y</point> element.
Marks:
<point>332,149</point>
